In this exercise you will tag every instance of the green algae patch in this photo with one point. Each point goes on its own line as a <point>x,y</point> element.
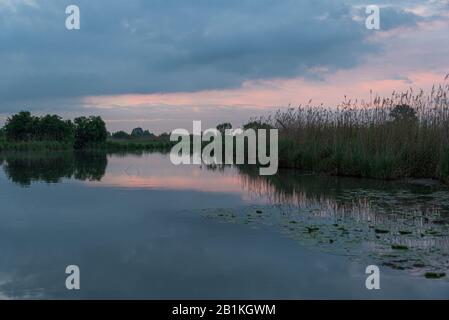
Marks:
<point>399,247</point>
<point>435,275</point>
<point>393,241</point>
<point>312,229</point>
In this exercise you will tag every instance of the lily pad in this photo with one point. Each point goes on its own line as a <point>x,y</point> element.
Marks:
<point>435,275</point>
<point>399,247</point>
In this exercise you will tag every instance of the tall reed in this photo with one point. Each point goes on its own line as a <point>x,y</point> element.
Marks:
<point>358,138</point>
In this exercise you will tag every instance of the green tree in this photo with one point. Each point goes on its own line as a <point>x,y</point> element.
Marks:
<point>21,126</point>
<point>2,133</point>
<point>164,136</point>
<point>89,130</point>
<point>120,135</point>
<point>52,127</point>
<point>257,125</point>
<point>148,134</point>
<point>222,127</point>
<point>137,133</point>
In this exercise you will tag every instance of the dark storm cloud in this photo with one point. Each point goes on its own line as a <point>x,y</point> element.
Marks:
<point>143,46</point>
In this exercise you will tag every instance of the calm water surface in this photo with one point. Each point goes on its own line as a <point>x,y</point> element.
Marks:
<point>140,227</point>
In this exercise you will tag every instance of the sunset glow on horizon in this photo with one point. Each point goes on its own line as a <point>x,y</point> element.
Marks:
<point>222,64</point>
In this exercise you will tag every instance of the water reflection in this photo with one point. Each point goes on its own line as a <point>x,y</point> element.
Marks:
<point>399,224</point>
<point>26,168</point>
<point>155,225</point>
<point>360,199</point>
<point>155,171</point>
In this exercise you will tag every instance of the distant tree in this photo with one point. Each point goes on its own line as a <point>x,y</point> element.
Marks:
<point>89,130</point>
<point>120,135</point>
<point>21,126</point>
<point>140,133</point>
<point>257,125</point>
<point>148,134</point>
<point>222,127</point>
<point>164,136</point>
<point>137,133</point>
<point>403,113</point>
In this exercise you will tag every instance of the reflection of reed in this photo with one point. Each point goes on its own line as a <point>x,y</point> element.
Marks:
<point>369,201</point>
<point>391,223</point>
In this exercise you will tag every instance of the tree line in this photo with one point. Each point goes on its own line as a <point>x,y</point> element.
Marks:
<point>82,131</point>
<point>136,133</point>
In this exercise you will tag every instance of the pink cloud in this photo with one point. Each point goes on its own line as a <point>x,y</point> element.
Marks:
<point>280,93</point>
<point>409,59</point>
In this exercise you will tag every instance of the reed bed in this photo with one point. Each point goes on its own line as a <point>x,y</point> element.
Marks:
<point>365,139</point>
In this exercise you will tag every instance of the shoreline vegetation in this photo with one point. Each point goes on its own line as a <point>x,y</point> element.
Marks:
<point>404,136</point>
<point>25,132</point>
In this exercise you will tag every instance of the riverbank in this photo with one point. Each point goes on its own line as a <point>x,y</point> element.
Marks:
<point>346,158</point>
<point>354,159</point>
<point>111,145</point>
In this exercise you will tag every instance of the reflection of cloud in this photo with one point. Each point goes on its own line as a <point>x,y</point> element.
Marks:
<point>229,184</point>
<point>156,172</point>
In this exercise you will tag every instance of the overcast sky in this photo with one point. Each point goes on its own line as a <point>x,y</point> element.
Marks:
<point>160,64</point>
